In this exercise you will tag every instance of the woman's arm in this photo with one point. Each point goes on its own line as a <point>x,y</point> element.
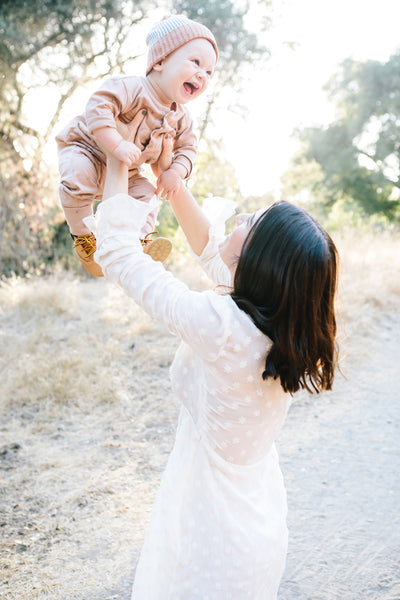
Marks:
<point>116,181</point>
<point>196,317</point>
<point>191,218</point>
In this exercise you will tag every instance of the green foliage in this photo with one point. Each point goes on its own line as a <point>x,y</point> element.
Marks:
<point>214,175</point>
<point>167,223</point>
<point>59,45</point>
<point>24,230</point>
<point>358,155</point>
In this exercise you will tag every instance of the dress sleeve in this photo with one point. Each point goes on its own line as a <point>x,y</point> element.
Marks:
<point>198,318</point>
<point>218,210</point>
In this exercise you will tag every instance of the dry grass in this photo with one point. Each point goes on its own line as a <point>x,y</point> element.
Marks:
<point>369,289</point>
<point>88,418</point>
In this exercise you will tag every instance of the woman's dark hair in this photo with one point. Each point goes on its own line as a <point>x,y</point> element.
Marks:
<point>285,280</point>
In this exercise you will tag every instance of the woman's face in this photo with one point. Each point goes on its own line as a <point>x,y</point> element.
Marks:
<point>231,247</point>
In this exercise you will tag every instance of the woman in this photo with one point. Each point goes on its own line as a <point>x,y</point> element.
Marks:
<point>218,526</point>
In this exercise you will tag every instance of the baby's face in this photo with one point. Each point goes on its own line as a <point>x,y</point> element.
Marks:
<point>184,74</point>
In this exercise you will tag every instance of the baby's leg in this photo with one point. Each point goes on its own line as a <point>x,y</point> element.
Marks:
<point>81,182</point>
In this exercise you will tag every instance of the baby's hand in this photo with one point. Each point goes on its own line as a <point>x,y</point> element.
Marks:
<point>168,184</point>
<point>127,152</point>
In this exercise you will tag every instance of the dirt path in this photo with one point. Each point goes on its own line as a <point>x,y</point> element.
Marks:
<point>77,480</point>
<point>341,460</point>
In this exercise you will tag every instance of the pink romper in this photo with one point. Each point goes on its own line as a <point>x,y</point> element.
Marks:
<point>133,101</point>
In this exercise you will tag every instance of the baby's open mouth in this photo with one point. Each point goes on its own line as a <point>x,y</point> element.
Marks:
<point>190,88</point>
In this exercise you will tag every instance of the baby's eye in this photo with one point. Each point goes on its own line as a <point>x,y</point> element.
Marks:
<point>196,62</point>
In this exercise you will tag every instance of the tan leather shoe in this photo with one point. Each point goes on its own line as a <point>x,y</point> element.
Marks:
<point>85,247</point>
<point>159,248</point>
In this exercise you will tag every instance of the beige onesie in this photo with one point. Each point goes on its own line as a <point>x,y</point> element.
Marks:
<point>132,101</point>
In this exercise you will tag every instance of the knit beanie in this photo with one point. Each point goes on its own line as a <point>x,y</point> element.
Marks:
<point>170,34</point>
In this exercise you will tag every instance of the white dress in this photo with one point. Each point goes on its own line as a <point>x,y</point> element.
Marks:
<point>218,526</point>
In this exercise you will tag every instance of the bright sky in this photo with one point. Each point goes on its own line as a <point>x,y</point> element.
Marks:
<point>287,91</point>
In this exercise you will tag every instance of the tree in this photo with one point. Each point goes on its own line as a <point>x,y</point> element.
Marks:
<point>56,45</point>
<point>213,176</point>
<point>358,155</point>
<point>63,44</point>
<point>59,45</point>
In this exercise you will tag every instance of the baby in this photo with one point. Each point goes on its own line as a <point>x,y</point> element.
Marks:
<point>156,125</point>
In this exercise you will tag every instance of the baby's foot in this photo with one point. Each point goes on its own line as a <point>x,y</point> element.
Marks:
<point>85,247</point>
<point>159,248</point>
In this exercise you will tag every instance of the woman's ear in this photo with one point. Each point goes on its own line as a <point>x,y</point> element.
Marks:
<point>159,66</point>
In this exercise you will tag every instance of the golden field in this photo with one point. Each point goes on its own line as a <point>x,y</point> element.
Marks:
<point>87,417</point>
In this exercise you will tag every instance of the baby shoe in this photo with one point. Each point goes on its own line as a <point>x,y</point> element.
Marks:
<point>85,247</point>
<point>159,248</point>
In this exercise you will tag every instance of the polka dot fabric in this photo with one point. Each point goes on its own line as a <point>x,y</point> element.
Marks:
<point>218,526</point>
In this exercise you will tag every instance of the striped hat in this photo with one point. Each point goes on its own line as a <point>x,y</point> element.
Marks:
<point>170,34</point>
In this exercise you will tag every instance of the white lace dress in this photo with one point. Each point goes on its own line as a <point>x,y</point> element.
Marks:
<point>218,525</point>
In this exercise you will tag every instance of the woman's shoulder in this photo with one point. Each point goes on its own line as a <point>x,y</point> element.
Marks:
<point>233,334</point>
<point>224,305</point>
